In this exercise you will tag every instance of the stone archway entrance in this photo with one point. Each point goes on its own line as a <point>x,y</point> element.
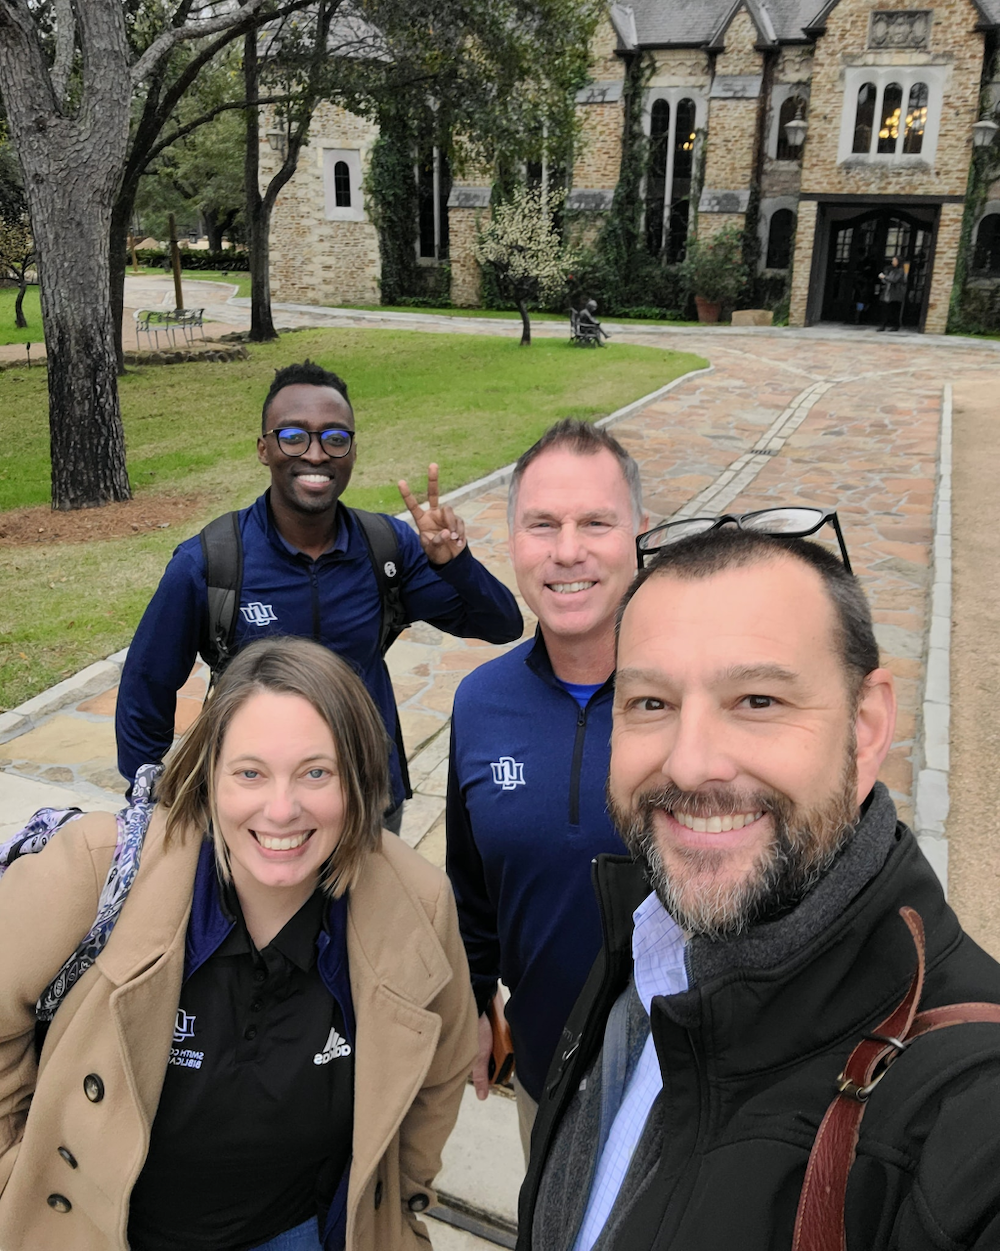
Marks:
<point>860,244</point>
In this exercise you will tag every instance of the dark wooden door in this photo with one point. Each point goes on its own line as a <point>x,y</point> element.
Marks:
<point>860,249</point>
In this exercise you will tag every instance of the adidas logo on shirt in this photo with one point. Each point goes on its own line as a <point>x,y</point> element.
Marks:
<point>335,1048</point>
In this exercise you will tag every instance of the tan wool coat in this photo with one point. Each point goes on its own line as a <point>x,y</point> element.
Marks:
<point>74,1130</point>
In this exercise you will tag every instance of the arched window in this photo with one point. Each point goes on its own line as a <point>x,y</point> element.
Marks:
<point>986,259</point>
<point>342,185</point>
<point>892,106</point>
<point>684,139</point>
<point>779,239</point>
<point>864,119</point>
<point>656,174</point>
<point>789,111</point>
<point>916,118</point>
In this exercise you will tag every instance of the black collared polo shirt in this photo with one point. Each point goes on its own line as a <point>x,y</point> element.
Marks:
<point>253,1129</point>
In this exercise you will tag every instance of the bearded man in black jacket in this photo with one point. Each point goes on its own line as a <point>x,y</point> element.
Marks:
<point>755,938</point>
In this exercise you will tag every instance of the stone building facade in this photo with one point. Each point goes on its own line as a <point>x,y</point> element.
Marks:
<point>889,96</point>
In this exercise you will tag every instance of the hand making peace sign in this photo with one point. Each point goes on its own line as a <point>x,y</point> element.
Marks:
<point>442,534</point>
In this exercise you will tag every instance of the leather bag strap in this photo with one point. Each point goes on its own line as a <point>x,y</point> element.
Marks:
<point>819,1222</point>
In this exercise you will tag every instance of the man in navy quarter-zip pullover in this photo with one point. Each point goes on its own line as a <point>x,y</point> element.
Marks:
<point>307,572</point>
<point>530,748</point>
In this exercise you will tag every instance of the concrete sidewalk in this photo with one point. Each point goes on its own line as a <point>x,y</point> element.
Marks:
<point>844,420</point>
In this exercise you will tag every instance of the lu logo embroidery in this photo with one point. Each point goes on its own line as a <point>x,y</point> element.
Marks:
<point>508,773</point>
<point>184,1025</point>
<point>336,1048</point>
<point>257,614</point>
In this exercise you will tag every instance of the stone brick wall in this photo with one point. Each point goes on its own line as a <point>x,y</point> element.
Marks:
<point>732,127</point>
<point>805,235</point>
<point>315,261</point>
<point>949,230</point>
<point>954,44</point>
<point>677,67</point>
<point>710,224</point>
<point>599,148</point>
<point>740,55</point>
<point>465,275</point>
<point>732,124</point>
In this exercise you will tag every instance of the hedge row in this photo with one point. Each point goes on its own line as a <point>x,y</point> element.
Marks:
<point>235,262</point>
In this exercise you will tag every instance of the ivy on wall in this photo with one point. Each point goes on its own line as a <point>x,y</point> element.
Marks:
<point>391,193</point>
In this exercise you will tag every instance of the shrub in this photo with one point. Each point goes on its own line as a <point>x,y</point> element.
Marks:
<point>713,268</point>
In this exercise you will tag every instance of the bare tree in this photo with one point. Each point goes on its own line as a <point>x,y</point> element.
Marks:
<point>68,101</point>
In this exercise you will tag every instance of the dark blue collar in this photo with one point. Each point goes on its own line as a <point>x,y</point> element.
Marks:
<point>209,926</point>
<point>540,665</point>
<point>262,507</point>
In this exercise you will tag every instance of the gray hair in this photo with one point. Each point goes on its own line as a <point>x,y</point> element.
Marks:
<point>583,439</point>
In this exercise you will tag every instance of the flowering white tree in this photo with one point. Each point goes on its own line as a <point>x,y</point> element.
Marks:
<point>523,247</point>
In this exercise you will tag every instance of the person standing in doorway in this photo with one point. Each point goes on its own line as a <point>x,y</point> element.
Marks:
<point>893,294</point>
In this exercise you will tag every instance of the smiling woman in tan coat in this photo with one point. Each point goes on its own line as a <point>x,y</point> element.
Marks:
<point>271,1048</point>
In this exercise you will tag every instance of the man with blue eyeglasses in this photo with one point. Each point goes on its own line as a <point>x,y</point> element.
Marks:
<point>307,567</point>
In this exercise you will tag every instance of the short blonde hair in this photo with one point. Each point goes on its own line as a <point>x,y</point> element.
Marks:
<point>290,666</point>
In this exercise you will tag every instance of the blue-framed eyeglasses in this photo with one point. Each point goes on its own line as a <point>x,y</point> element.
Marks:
<point>294,441</point>
<point>785,523</point>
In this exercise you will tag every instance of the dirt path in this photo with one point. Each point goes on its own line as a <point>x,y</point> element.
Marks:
<point>973,824</point>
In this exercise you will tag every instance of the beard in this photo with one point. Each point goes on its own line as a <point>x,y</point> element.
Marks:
<point>696,890</point>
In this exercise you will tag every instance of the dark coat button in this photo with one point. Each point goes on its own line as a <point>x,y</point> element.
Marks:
<point>59,1203</point>
<point>93,1088</point>
<point>378,1194</point>
<point>68,1156</point>
<point>250,1033</point>
<point>419,1203</point>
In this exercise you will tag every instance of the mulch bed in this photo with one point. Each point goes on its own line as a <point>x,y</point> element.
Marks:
<point>21,527</point>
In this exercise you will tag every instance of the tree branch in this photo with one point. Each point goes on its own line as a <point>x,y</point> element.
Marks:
<point>62,64</point>
<point>185,130</point>
<point>165,43</point>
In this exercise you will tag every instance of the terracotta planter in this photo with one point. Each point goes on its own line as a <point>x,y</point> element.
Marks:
<point>708,310</point>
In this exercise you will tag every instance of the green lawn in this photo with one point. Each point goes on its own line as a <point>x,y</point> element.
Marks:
<point>471,403</point>
<point>32,311</point>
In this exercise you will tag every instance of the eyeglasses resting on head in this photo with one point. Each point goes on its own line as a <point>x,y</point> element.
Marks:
<point>786,523</point>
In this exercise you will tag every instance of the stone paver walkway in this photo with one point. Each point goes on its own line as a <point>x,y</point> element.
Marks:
<point>840,419</point>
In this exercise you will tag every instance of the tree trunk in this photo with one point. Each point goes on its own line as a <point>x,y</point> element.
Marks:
<point>258,210</point>
<point>213,229</point>
<point>72,163</point>
<point>85,426</point>
<point>522,308</point>
<point>121,215</point>
<point>20,321</point>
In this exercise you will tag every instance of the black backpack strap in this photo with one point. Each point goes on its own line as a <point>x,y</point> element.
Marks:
<point>383,551</point>
<point>222,548</point>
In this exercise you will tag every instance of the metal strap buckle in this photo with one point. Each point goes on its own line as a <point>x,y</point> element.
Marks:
<point>851,1089</point>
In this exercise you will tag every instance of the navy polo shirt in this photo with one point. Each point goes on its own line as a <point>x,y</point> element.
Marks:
<point>253,1129</point>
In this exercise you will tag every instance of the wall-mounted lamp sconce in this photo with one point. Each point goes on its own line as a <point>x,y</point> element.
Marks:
<point>795,130</point>
<point>278,141</point>
<point>983,132</point>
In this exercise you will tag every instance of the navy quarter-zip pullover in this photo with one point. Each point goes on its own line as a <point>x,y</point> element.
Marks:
<point>526,816</point>
<point>334,600</point>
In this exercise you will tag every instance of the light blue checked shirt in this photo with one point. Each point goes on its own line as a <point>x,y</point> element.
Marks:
<point>658,955</point>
